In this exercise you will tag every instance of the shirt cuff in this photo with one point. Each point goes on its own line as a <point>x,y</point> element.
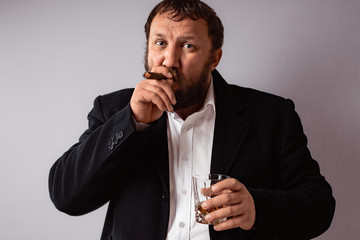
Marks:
<point>139,126</point>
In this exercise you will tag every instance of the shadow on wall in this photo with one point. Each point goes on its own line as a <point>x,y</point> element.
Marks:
<point>323,78</point>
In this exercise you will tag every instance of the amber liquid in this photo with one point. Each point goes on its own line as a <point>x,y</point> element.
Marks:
<point>200,214</point>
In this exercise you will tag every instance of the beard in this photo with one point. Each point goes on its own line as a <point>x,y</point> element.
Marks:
<point>190,91</point>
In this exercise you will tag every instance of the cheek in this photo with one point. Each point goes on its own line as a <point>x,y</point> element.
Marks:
<point>191,67</point>
<point>154,59</point>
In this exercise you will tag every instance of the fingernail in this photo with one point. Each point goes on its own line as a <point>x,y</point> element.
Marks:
<point>208,217</point>
<point>204,205</point>
<point>213,188</point>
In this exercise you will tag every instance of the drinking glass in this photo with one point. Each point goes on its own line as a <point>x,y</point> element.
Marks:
<point>202,192</point>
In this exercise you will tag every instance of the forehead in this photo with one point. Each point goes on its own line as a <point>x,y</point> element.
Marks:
<point>164,25</point>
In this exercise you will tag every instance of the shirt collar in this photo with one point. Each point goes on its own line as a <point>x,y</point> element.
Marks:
<point>209,101</point>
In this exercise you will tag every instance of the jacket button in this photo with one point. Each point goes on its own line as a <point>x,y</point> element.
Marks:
<point>119,135</point>
<point>111,145</point>
<point>164,197</point>
<point>115,140</point>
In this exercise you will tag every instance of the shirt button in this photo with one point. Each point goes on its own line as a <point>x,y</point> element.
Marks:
<point>182,224</point>
<point>183,191</point>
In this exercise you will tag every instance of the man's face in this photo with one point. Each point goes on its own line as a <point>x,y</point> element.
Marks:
<point>184,47</point>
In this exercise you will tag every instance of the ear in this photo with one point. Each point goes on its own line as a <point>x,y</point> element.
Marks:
<point>216,56</point>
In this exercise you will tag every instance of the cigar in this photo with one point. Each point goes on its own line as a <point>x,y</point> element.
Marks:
<point>154,75</point>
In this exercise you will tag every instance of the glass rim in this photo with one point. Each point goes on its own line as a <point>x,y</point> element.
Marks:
<point>211,176</point>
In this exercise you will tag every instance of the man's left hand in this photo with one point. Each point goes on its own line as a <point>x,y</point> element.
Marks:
<point>240,207</point>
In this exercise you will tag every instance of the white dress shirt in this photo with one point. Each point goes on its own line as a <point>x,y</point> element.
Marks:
<point>190,147</point>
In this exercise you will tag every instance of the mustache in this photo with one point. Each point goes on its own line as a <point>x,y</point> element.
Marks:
<point>177,75</point>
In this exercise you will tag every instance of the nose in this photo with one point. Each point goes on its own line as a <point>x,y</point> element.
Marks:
<point>171,57</point>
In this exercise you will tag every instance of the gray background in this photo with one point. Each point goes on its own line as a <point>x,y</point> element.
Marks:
<point>57,56</point>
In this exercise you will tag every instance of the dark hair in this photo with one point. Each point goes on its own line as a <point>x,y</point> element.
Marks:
<point>193,9</point>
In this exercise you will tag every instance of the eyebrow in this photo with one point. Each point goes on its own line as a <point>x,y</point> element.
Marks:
<point>181,38</point>
<point>158,35</point>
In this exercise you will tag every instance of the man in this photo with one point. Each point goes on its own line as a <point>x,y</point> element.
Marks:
<point>143,146</point>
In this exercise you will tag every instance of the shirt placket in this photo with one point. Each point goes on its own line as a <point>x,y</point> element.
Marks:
<point>184,186</point>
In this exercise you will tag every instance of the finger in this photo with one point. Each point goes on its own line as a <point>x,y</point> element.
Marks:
<point>229,224</point>
<point>143,96</point>
<point>168,90</point>
<point>227,184</point>
<point>242,221</point>
<point>156,92</point>
<point>206,191</point>
<point>228,211</point>
<point>161,87</point>
<point>227,198</point>
<point>168,82</point>
<point>152,98</point>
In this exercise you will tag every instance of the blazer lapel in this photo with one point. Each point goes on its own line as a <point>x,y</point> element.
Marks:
<point>162,148</point>
<point>230,129</point>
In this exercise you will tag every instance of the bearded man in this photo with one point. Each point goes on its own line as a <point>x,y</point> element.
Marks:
<point>143,146</point>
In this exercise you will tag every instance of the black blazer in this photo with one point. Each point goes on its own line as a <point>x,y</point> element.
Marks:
<point>258,140</point>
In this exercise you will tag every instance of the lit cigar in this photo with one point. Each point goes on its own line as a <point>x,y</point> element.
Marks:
<point>154,75</point>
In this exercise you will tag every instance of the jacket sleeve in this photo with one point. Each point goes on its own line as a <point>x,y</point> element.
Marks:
<point>82,178</point>
<point>302,206</point>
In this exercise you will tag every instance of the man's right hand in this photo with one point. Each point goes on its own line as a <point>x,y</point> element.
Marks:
<point>152,97</point>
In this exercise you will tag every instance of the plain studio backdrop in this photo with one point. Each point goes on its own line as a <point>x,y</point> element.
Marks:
<point>57,56</point>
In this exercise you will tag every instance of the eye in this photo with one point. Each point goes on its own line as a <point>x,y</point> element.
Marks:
<point>188,45</point>
<point>159,42</point>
